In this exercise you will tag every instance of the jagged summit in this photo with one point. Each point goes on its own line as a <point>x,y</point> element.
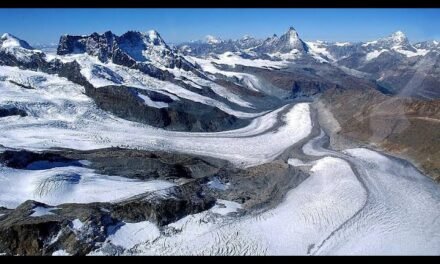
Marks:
<point>286,43</point>
<point>127,49</point>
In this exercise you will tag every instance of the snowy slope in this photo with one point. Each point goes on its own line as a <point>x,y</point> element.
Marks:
<point>62,116</point>
<point>102,74</point>
<point>16,47</point>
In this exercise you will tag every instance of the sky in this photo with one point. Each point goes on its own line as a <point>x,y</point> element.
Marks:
<point>179,25</point>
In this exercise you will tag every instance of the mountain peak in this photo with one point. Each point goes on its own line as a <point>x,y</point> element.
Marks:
<point>212,39</point>
<point>291,29</point>
<point>293,37</point>
<point>398,37</point>
<point>290,41</point>
<point>153,34</point>
<point>246,37</point>
<point>8,40</point>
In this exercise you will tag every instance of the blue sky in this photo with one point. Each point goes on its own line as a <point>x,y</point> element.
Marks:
<point>177,25</point>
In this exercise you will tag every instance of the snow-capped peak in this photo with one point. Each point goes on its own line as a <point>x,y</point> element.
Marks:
<point>398,37</point>
<point>153,34</point>
<point>342,44</point>
<point>246,37</point>
<point>154,37</point>
<point>290,41</point>
<point>212,40</point>
<point>293,36</point>
<point>10,41</point>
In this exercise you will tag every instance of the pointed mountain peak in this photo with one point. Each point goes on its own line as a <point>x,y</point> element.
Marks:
<point>291,40</point>
<point>8,40</point>
<point>292,36</point>
<point>291,30</point>
<point>155,37</point>
<point>108,33</point>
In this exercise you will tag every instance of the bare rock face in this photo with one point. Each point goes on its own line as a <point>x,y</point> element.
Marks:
<point>259,187</point>
<point>129,49</point>
<point>406,127</point>
<point>23,234</point>
<point>178,202</point>
<point>21,159</point>
<point>11,111</point>
<point>183,115</point>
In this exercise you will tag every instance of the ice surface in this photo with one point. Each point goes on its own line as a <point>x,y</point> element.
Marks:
<point>403,213</point>
<point>152,103</point>
<point>319,48</point>
<point>131,234</point>
<point>408,53</point>
<point>232,59</point>
<point>60,252</point>
<point>342,44</point>
<point>77,224</point>
<point>374,54</point>
<point>224,207</point>
<point>217,184</point>
<point>42,211</point>
<point>296,162</point>
<point>68,185</point>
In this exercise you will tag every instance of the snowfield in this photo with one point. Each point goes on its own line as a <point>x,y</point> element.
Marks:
<point>131,234</point>
<point>41,211</point>
<point>68,185</point>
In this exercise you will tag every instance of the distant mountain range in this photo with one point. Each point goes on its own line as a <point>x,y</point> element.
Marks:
<point>391,61</point>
